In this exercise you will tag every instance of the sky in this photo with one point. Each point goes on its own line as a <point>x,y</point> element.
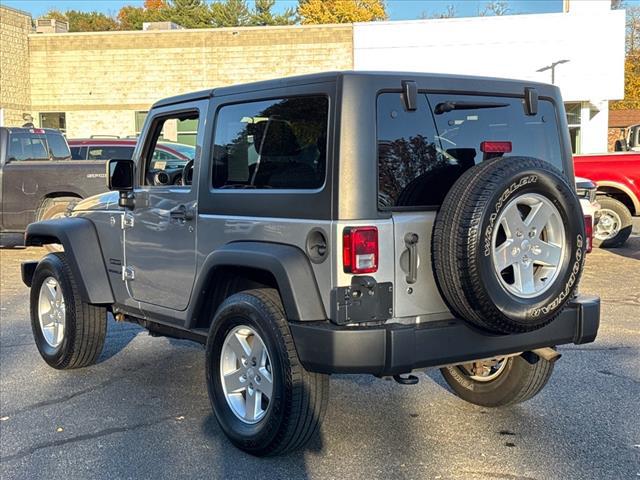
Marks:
<point>397,9</point>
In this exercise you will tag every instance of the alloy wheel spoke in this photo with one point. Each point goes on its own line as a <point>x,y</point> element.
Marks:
<point>258,352</point>
<point>239,345</point>
<point>523,276</point>
<point>550,254</point>
<point>233,381</point>
<point>512,221</point>
<point>51,293</point>
<point>538,217</point>
<point>252,404</point>
<point>266,383</point>
<point>503,256</point>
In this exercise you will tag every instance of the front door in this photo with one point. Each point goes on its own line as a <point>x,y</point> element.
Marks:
<point>160,231</point>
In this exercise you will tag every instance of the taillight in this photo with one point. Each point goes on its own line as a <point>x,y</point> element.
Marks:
<point>360,249</point>
<point>496,147</point>
<point>588,230</point>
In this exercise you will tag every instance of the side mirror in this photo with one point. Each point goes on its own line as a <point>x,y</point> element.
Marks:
<point>121,176</point>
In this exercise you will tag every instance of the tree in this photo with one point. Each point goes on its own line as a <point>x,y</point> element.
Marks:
<point>84,21</point>
<point>188,13</point>
<point>132,18</point>
<point>341,11</point>
<point>631,86</point>
<point>230,13</point>
<point>450,12</point>
<point>633,31</point>
<point>262,14</point>
<point>494,8</point>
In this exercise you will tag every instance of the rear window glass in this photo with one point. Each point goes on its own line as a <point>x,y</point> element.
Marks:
<point>58,146</point>
<point>422,153</point>
<point>78,153</point>
<point>27,146</point>
<point>279,144</point>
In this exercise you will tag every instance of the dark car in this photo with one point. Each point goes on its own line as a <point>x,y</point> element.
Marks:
<point>38,178</point>
<point>169,158</point>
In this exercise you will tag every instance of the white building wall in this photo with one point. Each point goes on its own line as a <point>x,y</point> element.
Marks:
<point>512,46</point>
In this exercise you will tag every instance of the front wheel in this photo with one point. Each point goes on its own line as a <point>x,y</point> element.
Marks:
<point>498,382</point>
<point>263,398</point>
<point>69,333</point>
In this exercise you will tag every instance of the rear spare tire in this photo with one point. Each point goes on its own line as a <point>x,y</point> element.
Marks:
<point>508,244</point>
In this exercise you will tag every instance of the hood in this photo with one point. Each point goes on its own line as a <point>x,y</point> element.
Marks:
<point>102,201</point>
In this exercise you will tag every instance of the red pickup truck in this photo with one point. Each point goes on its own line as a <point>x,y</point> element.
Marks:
<point>617,176</point>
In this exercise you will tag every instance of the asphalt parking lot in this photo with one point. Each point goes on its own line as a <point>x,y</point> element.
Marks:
<point>143,412</point>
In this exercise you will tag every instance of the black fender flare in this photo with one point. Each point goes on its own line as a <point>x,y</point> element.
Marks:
<point>82,250</point>
<point>289,266</point>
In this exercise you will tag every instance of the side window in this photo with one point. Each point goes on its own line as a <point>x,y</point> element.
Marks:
<point>109,152</point>
<point>411,168</point>
<point>275,144</point>
<point>27,146</point>
<point>163,167</point>
<point>58,147</point>
<point>78,153</point>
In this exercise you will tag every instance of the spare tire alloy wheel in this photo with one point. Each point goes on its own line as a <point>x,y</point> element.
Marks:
<point>508,244</point>
<point>527,253</point>
<point>246,374</point>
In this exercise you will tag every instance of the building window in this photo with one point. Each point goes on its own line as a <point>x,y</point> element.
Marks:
<point>140,118</point>
<point>57,120</point>
<point>187,132</point>
<point>574,120</point>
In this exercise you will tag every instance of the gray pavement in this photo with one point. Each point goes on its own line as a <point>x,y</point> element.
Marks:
<point>143,411</point>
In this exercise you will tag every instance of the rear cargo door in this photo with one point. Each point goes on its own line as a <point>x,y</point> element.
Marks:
<point>422,153</point>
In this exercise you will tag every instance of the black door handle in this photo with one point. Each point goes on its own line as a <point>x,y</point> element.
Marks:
<point>181,212</point>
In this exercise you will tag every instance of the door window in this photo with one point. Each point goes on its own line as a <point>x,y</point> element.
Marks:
<point>274,144</point>
<point>161,166</point>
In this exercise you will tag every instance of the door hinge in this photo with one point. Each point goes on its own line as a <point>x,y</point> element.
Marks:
<point>128,273</point>
<point>126,221</point>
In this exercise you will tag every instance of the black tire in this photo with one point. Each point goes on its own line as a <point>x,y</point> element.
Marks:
<point>54,208</point>
<point>85,325</point>
<point>518,381</point>
<point>626,223</point>
<point>299,399</point>
<point>462,236</point>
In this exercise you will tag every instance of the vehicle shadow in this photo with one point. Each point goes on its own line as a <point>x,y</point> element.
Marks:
<point>119,335</point>
<point>631,248</point>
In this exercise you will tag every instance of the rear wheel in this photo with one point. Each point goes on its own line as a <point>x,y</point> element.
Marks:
<point>263,398</point>
<point>614,223</point>
<point>498,382</point>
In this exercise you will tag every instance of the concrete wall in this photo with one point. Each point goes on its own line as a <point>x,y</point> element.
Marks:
<point>101,79</point>
<point>15,27</point>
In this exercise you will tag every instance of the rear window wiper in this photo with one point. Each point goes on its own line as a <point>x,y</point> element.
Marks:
<point>445,107</point>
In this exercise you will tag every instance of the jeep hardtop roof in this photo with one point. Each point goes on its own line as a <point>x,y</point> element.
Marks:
<point>436,81</point>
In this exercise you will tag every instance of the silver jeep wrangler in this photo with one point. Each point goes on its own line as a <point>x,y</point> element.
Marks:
<point>341,222</point>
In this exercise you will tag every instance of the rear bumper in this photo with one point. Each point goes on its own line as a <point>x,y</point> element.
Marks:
<point>393,349</point>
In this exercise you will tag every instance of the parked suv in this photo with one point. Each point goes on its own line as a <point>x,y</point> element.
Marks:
<point>344,222</point>
<point>38,179</point>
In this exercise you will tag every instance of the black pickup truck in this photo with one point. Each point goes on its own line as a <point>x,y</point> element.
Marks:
<point>38,179</point>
